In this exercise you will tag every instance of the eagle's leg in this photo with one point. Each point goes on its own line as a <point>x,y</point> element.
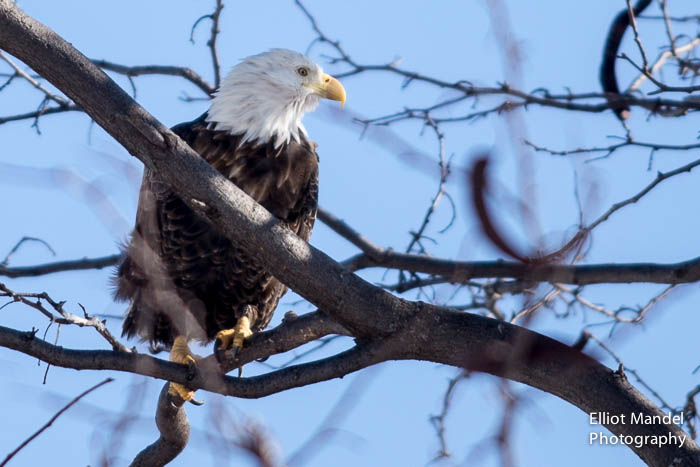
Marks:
<point>180,353</point>
<point>234,338</point>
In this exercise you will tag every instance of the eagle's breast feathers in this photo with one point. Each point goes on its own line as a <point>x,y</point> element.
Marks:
<point>182,276</point>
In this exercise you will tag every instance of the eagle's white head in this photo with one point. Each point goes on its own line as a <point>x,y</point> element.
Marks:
<point>266,95</point>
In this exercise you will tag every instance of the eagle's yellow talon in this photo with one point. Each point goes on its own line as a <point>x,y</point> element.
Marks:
<point>181,391</point>
<point>234,338</point>
<point>180,353</point>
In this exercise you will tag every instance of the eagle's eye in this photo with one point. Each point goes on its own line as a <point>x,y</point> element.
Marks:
<point>303,71</point>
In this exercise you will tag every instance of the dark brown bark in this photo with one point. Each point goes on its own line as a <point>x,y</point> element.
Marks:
<point>174,427</point>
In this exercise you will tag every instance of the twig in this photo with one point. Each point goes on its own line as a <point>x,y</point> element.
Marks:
<point>183,72</point>
<point>661,61</point>
<point>370,248</point>
<point>342,408</point>
<point>660,177</point>
<point>319,344</point>
<point>614,147</point>
<point>59,266</point>
<point>467,90</point>
<point>38,113</point>
<point>19,71</point>
<point>662,87</point>
<point>64,317</point>
<point>438,421</point>
<point>444,174</point>
<point>19,244</point>
<point>667,24</point>
<point>607,74</point>
<point>639,312</point>
<point>55,342</point>
<point>637,39</point>
<point>634,373</point>
<point>53,419</point>
<point>211,43</point>
<point>679,19</point>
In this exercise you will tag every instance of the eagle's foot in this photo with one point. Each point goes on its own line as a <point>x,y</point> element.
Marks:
<point>180,353</point>
<point>232,338</point>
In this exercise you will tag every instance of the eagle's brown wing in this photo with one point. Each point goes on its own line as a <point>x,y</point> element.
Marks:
<point>181,276</point>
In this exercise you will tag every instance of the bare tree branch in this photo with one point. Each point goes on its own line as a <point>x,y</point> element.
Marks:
<point>53,419</point>
<point>632,12</point>
<point>38,113</point>
<point>438,420</point>
<point>211,43</point>
<point>465,271</point>
<point>662,60</point>
<point>174,428</point>
<point>608,150</point>
<point>57,99</point>
<point>59,266</point>
<point>524,99</point>
<point>208,375</point>
<point>607,74</point>
<point>20,243</point>
<point>183,72</point>
<point>63,316</point>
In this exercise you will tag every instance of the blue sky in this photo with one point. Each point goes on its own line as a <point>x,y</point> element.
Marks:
<point>375,190</point>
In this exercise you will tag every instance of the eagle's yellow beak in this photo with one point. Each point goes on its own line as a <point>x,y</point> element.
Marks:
<point>330,88</point>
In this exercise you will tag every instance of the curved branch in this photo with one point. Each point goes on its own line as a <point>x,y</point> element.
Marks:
<point>174,428</point>
<point>184,72</point>
<point>607,75</point>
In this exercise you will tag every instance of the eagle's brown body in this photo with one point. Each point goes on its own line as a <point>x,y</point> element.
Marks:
<point>184,278</point>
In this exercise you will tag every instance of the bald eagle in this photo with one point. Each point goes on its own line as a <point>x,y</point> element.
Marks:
<point>183,280</point>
